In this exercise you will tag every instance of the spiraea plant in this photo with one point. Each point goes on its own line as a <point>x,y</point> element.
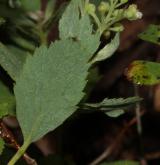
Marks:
<point>49,78</point>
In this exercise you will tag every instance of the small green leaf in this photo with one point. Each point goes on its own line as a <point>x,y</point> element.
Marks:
<point>108,50</point>
<point>2,143</point>
<point>78,28</point>
<point>123,162</point>
<point>31,6</point>
<point>11,62</point>
<point>113,107</point>
<point>111,104</point>
<point>72,30</point>
<point>151,34</point>
<point>7,101</point>
<point>120,101</point>
<point>144,73</point>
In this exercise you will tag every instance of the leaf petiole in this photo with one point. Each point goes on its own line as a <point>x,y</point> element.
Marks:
<point>19,153</point>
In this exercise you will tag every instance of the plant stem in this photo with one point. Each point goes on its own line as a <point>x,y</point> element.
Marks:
<point>113,22</point>
<point>19,153</point>
<point>43,37</point>
<point>96,19</point>
<point>8,137</point>
<point>139,122</point>
<point>110,12</point>
<point>139,128</point>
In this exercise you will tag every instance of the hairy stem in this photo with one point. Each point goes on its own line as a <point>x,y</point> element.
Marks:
<point>19,153</point>
<point>8,137</point>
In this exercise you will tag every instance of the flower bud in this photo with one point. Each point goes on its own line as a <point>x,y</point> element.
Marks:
<point>139,15</point>
<point>103,7</point>
<point>132,13</point>
<point>118,13</point>
<point>106,34</point>
<point>90,8</point>
<point>117,27</point>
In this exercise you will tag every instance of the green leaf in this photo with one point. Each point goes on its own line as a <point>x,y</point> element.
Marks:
<point>31,6</point>
<point>50,87</point>
<point>51,84</point>
<point>7,101</point>
<point>11,62</point>
<point>151,34</point>
<point>2,143</point>
<point>111,104</point>
<point>79,29</point>
<point>69,25</point>
<point>113,107</point>
<point>144,73</point>
<point>108,50</point>
<point>123,162</point>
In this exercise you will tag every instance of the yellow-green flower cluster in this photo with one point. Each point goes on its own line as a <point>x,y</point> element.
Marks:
<point>108,14</point>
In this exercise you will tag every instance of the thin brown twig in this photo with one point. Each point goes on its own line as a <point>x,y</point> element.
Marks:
<point>8,137</point>
<point>118,139</point>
